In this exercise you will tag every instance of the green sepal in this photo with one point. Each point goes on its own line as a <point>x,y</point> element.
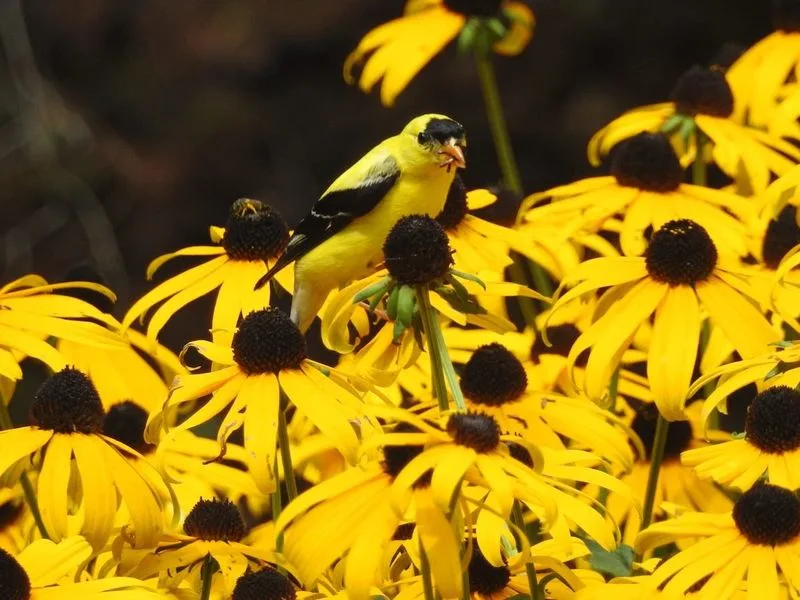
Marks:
<point>496,27</point>
<point>467,307</point>
<point>376,299</point>
<point>466,38</point>
<point>378,288</point>
<point>397,331</point>
<point>738,435</point>
<point>406,299</point>
<point>468,277</point>
<point>672,124</point>
<point>459,288</point>
<point>687,130</point>
<point>391,304</point>
<point>615,564</point>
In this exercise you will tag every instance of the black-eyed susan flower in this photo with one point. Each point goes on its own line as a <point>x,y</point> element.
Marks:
<point>770,445</point>
<point>700,107</point>
<point>46,571</point>
<point>265,360</point>
<point>265,584</point>
<point>645,190</point>
<point>677,484</point>
<point>764,75</point>
<point>67,417</point>
<point>393,53</point>
<point>680,274</point>
<point>244,249</point>
<point>212,530</point>
<point>494,382</point>
<point>30,312</point>
<point>756,545</point>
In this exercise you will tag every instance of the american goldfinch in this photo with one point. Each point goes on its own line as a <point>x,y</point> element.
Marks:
<point>342,237</point>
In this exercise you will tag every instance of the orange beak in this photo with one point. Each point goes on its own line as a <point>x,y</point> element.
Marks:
<point>455,156</point>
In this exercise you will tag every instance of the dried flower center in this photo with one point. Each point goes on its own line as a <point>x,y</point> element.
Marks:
<point>773,420</point>
<point>705,91</point>
<point>474,430</point>
<point>768,515</point>
<point>485,578</point>
<point>561,338</point>
<point>267,342</point>
<point>474,8</point>
<point>493,376</point>
<point>679,434</point>
<point>782,235</point>
<point>455,207</point>
<point>67,402</point>
<point>215,520</point>
<point>681,253</point>
<point>14,581</point>
<point>254,231</point>
<point>125,422</point>
<point>646,161</point>
<point>266,584</point>
<point>395,458</point>
<point>417,250</point>
<point>786,15</point>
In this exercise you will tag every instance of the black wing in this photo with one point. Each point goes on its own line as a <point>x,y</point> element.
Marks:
<point>333,212</point>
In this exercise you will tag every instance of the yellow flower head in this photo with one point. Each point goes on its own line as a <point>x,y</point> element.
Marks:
<point>755,546</point>
<point>245,249</point>
<point>700,109</point>
<point>680,273</point>
<point>395,52</point>
<point>265,360</point>
<point>645,190</point>
<point>67,417</point>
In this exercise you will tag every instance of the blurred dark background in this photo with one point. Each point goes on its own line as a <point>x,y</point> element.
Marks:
<point>127,127</point>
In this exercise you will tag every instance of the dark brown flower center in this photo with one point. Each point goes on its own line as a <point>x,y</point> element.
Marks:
<point>267,342</point>
<point>679,434</point>
<point>125,422</point>
<point>703,91</point>
<point>254,231</point>
<point>474,8</point>
<point>782,235</point>
<point>455,207</point>
<point>215,520</point>
<point>68,402</point>
<point>417,251</point>
<point>768,515</point>
<point>646,161</point>
<point>773,420</point>
<point>485,578</point>
<point>474,430</point>
<point>681,253</point>
<point>493,376</point>
<point>14,581</point>
<point>266,584</point>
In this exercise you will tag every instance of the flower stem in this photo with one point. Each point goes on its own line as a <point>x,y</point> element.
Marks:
<point>527,306</point>
<point>286,452</point>
<point>656,457</point>
<point>425,570</point>
<point>27,487</point>
<point>441,365</point>
<point>530,570</point>
<point>699,170</point>
<point>613,388</point>
<point>497,123</point>
<point>206,577</point>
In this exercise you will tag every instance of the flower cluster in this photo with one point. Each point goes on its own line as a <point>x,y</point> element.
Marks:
<point>598,400</point>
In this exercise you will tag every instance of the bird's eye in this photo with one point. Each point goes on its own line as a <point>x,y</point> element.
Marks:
<point>424,138</point>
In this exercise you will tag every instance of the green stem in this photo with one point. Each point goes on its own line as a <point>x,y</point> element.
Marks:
<point>708,388</point>
<point>526,305</point>
<point>497,123</point>
<point>441,365</point>
<point>206,577</point>
<point>286,453</point>
<point>27,487</point>
<point>613,387</point>
<point>530,570</point>
<point>656,457</point>
<point>425,569</point>
<point>699,167</point>
<point>277,506</point>
<point>541,282</point>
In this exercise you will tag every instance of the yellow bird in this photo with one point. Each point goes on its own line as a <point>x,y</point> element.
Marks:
<point>342,237</point>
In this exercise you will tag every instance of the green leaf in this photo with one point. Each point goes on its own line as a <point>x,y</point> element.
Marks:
<point>406,299</point>
<point>615,564</point>
<point>379,287</point>
<point>468,277</point>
